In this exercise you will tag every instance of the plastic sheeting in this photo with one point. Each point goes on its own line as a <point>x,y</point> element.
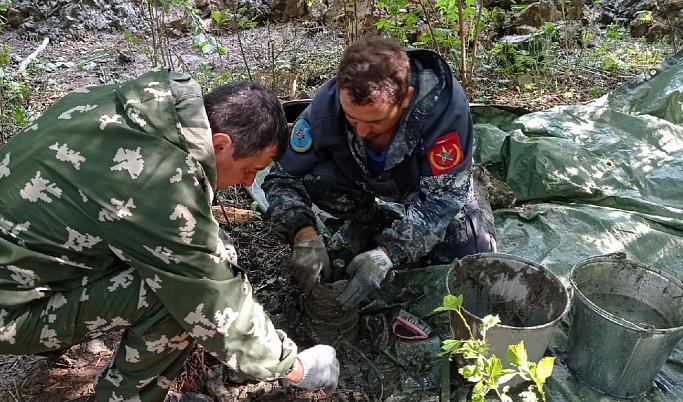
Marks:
<point>592,180</point>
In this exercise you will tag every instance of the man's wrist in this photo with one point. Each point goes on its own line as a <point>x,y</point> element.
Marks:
<point>305,233</point>
<point>297,374</point>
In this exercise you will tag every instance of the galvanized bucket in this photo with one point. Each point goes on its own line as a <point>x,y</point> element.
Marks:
<point>626,320</point>
<point>529,299</point>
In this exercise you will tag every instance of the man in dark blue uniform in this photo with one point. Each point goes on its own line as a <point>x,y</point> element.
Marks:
<point>395,125</point>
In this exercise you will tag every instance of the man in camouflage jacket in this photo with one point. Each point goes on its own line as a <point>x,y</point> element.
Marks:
<point>106,226</point>
<point>393,124</point>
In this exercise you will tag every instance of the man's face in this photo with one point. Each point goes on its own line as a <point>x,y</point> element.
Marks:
<point>373,120</point>
<point>238,171</point>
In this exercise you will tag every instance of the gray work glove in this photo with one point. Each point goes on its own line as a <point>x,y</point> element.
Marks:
<point>368,270</point>
<point>321,368</point>
<point>309,258</point>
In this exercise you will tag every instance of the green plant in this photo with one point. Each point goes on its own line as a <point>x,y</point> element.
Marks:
<point>448,27</point>
<point>157,47</point>
<point>4,6</point>
<point>14,91</point>
<point>615,32</point>
<point>487,370</point>
<point>643,17</point>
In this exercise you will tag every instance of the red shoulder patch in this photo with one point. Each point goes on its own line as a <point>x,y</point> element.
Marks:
<point>445,153</point>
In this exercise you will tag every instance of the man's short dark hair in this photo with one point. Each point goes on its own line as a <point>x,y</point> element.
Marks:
<point>251,114</point>
<point>374,69</point>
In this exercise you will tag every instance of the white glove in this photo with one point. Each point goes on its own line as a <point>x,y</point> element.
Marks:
<point>226,240</point>
<point>320,368</point>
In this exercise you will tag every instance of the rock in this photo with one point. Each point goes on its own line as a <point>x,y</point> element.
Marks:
<point>606,17</point>
<point>56,18</point>
<point>537,14</point>
<point>67,65</point>
<point>94,347</point>
<point>521,41</point>
<point>125,57</point>
<point>639,27</point>
<point>524,30</point>
<point>657,31</point>
<point>500,195</point>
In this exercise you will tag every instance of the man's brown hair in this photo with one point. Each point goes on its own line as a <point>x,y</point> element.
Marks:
<point>374,69</point>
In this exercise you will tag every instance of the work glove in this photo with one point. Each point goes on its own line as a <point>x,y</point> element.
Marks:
<point>309,258</point>
<point>368,270</point>
<point>320,367</point>
<point>226,240</point>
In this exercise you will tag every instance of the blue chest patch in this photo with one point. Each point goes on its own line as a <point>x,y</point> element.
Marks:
<point>300,139</point>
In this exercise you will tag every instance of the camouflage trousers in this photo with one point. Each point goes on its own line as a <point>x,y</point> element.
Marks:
<point>152,350</point>
<point>470,231</point>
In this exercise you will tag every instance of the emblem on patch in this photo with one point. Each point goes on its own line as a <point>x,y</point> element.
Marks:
<point>300,140</point>
<point>445,153</point>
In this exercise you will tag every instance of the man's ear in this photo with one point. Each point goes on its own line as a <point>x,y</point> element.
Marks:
<point>222,142</point>
<point>406,99</point>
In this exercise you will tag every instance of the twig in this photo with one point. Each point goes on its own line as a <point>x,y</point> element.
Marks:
<point>346,344</point>
<point>244,57</point>
<point>429,25</point>
<point>16,362</point>
<point>476,38</point>
<point>463,48</point>
<point>24,64</point>
<point>16,388</point>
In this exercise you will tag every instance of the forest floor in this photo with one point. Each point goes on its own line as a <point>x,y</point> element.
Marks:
<point>311,54</point>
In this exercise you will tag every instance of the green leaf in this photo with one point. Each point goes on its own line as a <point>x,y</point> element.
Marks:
<point>544,369</point>
<point>529,396</point>
<point>451,345</point>
<point>516,354</point>
<point>19,116</point>
<point>507,376</point>
<point>478,392</point>
<point>450,302</point>
<point>217,16</point>
<point>471,373</point>
<point>488,322</point>
<point>494,367</point>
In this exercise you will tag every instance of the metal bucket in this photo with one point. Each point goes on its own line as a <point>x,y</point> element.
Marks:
<point>626,320</point>
<point>529,299</point>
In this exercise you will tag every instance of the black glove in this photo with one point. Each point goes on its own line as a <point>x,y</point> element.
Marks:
<point>309,258</point>
<point>368,270</point>
<point>321,368</point>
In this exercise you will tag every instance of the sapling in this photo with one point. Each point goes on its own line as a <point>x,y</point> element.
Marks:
<point>485,369</point>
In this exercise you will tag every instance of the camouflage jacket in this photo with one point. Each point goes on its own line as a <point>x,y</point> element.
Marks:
<point>428,164</point>
<point>121,176</point>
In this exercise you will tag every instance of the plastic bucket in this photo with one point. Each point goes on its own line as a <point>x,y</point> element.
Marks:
<point>626,320</point>
<point>294,108</point>
<point>529,299</point>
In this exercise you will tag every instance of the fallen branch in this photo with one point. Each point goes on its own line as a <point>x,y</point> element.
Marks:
<point>24,64</point>
<point>229,216</point>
